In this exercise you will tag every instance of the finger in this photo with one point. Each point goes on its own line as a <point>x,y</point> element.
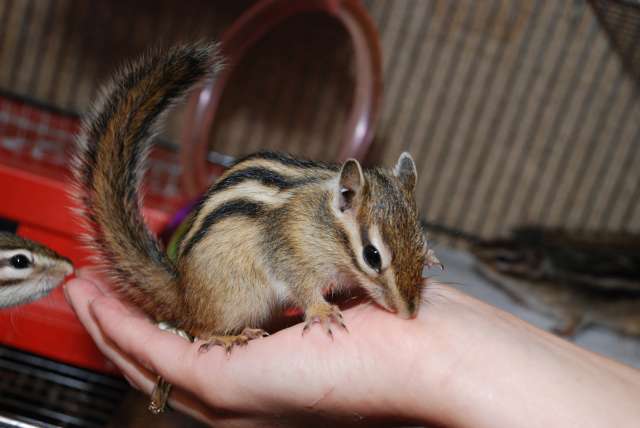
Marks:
<point>164,353</point>
<point>94,275</point>
<point>189,404</point>
<point>172,357</point>
<point>139,376</point>
<point>81,293</point>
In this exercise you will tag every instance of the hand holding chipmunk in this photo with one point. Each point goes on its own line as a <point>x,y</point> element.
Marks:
<point>459,363</point>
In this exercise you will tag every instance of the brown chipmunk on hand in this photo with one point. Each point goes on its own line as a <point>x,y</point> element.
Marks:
<point>28,270</point>
<point>579,278</point>
<point>273,230</point>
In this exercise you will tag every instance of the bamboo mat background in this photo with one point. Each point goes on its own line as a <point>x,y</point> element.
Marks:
<point>515,111</point>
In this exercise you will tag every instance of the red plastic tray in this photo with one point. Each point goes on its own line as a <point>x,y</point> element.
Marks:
<point>34,184</point>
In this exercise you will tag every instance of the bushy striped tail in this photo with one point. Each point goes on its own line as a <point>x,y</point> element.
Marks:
<point>110,163</point>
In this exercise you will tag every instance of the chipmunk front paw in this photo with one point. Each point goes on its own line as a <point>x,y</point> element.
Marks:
<point>228,342</point>
<point>431,260</point>
<point>323,314</point>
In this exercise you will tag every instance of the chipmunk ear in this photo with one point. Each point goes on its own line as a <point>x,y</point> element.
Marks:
<point>406,171</point>
<point>351,184</point>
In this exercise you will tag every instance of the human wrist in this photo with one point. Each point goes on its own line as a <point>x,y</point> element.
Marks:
<point>452,330</point>
<point>498,370</point>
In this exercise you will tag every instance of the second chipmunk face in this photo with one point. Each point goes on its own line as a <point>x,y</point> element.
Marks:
<point>28,270</point>
<point>380,213</point>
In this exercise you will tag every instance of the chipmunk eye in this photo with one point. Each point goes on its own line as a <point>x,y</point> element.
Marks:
<point>372,257</point>
<point>20,261</point>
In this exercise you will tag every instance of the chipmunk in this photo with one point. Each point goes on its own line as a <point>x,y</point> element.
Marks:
<point>578,279</point>
<point>28,270</point>
<point>273,231</point>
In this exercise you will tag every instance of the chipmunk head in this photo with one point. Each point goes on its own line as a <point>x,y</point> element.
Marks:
<point>28,270</point>
<point>379,212</point>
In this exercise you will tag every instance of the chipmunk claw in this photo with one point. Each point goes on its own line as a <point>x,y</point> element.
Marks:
<point>324,314</point>
<point>340,321</point>
<point>431,260</point>
<point>229,342</point>
<point>254,333</point>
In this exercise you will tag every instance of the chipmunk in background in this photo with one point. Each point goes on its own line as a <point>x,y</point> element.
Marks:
<point>273,231</point>
<point>577,278</point>
<point>28,270</point>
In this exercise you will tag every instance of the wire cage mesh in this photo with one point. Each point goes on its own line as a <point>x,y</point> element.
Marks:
<point>621,21</point>
<point>54,394</point>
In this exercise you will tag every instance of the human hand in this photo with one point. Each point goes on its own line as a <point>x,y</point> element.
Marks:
<point>361,376</point>
<point>460,363</point>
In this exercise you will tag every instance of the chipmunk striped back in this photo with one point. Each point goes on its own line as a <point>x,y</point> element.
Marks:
<point>253,185</point>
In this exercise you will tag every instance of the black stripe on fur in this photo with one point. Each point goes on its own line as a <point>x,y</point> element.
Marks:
<point>238,207</point>
<point>288,160</point>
